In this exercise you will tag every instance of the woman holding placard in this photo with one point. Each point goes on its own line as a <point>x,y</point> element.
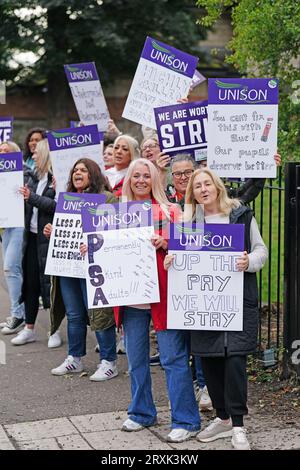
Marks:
<point>85,176</point>
<point>224,354</point>
<point>40,205</point>
<point>142,183</point>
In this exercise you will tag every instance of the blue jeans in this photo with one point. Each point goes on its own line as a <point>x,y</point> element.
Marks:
<point>174,356</point>
<point>12,240</point>
<point>199,372</point>
<point>75,299</point>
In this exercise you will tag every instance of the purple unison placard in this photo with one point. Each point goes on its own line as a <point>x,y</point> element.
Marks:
<point>169,57</point>
<point>6,128</point>
<point>72,203</point>
<point>257,91</point>
<point>208,237</point>
<point>11,162</point>
<point>197,79</point>
<point>117,216</point>
<point>73,137</point>
<point>81,72</point>
<point>181,128</point>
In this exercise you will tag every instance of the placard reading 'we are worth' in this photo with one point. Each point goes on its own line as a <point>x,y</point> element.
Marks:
<point>242,127</point>
<point>205,291</point>
<point>181,128</point>
<point>164,75</point>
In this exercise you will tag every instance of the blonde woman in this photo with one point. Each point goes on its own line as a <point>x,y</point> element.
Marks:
<point>39,196</point>
<point>142,183</point>
<point>224,354</point>
<point>125,149</point>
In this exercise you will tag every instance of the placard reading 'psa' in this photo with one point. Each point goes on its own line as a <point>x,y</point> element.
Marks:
<point>163,75</point>
<point>69,145</point>
<point>242,127</point>
<point>11,179</point>
<point>121,266</point>
<point>64,258</point>
<point>205,291</point>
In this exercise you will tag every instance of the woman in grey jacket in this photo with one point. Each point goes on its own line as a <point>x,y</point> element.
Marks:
<point>224,354</point>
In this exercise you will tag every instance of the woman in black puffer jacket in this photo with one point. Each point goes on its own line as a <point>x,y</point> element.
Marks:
<point>39,210</point>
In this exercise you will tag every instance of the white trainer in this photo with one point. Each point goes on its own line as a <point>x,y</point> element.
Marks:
<point>180,435</point>
<point>106,370</point>
<point>217,429</point>
<point>55,340</point>
<point>25,336</point>
<point>239,439</point>
<point>205,403</point>
<point>131,426</point>
<point>69,366</point>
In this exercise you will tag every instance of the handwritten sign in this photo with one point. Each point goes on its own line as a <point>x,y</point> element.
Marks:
<point>242,127</point>
<point>68,145</point>
<point>87,94</point>
<point>6,128</point>
<point>181,128</point>
<point>205,292</point>
<point>64,258</point>
<point>11,179</point>
<point>162,77</point>
<point>121,267</point>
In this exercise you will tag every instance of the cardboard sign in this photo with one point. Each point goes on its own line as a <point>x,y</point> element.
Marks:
<point>11,179</point>
<point>64,258</point>
<point>87,94</point>
<point>242,127</point>
<point>121,264</point>
<point>205,292</point>
<point>68,145</point>
<point>162,77</point>
<point>181,128</point>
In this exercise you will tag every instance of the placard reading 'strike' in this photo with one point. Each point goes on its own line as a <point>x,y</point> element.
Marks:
<point>121,264</point>
<point>205,291</point>
<point>242,127</point>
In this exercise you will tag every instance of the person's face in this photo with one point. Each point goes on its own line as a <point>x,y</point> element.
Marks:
<point>108,156</point>
<point>122,156</point>
<point>33,141</point>
<point>203,164</point>
<point>140,182</point>
<point>205,191</point>
<point>181,173</point>
<point>150,150</point>
<point>4,148</point>
<point>80,177</point>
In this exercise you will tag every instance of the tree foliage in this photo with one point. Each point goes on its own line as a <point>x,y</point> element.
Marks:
<point>266,43</point>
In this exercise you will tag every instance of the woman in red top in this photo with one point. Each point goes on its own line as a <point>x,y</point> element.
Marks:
<point>142,183</point>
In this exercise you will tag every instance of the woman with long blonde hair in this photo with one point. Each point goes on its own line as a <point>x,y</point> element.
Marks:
<point>224,353</point>
<point>142,183</point>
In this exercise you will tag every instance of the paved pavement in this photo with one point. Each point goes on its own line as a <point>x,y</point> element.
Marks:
<point>40,411</point>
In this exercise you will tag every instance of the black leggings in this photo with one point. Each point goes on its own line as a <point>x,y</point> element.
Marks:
<point>32,286</point>
<point>226,379</point>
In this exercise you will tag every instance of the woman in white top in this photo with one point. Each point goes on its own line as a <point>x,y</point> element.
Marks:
<point>125,149</point>
<point>224,353</point>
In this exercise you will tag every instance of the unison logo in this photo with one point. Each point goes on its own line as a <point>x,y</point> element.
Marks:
<point>68,139</point>
<point>163,55</point>
<point>239,92</point>
<point>7,165</point>
<point>78,74</point>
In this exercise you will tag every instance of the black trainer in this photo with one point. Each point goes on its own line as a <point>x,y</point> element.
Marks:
<point>13,325</point>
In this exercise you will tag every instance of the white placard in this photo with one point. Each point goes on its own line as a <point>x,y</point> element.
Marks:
<point>11,179</point>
